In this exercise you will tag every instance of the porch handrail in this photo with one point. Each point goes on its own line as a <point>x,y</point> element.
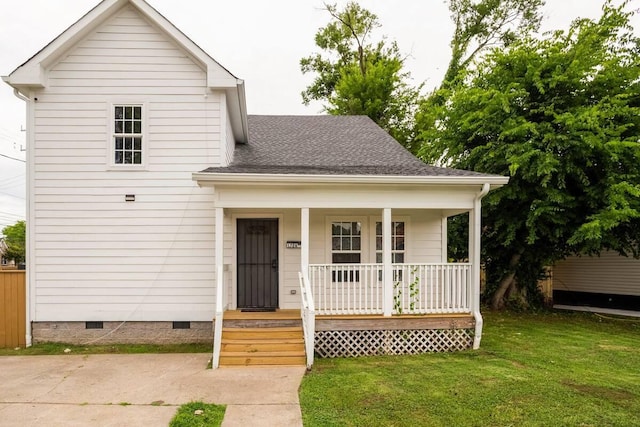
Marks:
<point>308,317</point>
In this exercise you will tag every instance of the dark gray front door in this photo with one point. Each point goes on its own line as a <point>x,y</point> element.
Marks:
<point>257,263</point>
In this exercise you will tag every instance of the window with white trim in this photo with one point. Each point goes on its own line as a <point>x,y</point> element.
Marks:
<point>346,242</point>
<point>346,248</point>
<point>397,242</point>
<point>127,134</point>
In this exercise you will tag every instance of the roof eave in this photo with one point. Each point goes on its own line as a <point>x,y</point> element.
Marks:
<point>204,178</point>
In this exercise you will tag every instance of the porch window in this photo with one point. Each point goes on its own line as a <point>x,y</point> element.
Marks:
<point>346,248</point>
<point>127,134</point>
<point>397,246</point>
<point>397,242</point>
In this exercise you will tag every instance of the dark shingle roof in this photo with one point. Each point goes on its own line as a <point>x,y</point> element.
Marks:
<point>325,145</point>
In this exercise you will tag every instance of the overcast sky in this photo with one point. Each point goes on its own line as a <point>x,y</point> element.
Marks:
<point>259,41</point>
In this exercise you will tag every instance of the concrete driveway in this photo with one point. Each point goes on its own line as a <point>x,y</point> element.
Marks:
<point>141,390</point>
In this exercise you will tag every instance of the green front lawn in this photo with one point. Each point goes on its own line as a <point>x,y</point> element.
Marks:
<point>549,369</point>
<point>198,414</point>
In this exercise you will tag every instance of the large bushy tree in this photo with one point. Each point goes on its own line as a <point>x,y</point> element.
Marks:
<point>479,26</point>
<point>485,24</point>
<point>14,239</point>
<point>561,116</point>
<point>359,74</point>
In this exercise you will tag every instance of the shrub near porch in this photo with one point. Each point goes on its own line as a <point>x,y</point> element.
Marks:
<point>532,369</point>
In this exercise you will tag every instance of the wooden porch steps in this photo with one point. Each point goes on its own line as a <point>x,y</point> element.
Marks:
<point>266,346</point>
<point>262,338</point>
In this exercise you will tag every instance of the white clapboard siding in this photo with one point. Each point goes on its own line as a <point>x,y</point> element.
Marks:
<point>98,257</point>
<point>609,273</point>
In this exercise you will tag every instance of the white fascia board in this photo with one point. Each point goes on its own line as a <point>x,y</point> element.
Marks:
<point>257,179</point>
<point>28,75</point>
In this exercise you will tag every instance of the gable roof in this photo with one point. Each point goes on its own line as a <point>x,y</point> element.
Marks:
<point>33,72</point>
<point>328,145</point>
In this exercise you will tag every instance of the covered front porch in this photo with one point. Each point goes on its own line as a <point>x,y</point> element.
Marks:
<point>348,247</point>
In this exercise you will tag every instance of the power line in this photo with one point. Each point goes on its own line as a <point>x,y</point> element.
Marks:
<point>12,158</point>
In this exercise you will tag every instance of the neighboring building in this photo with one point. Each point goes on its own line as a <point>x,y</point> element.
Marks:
<point>5,263</point>
<point>156,203</point>
<point>609,281</point>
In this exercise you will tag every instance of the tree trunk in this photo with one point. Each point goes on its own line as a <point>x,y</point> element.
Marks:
<point>497,301</point>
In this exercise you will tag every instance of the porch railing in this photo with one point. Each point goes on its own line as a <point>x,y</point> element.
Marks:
<point>308,317</point>
<point>436,288</point>
<point>347,288</point>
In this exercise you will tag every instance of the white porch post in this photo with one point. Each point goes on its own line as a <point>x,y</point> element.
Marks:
<point>220,297</point>
<point>304,236</point>
<point>475,218</point>
<point>219,246</point>
<point>387,275</point>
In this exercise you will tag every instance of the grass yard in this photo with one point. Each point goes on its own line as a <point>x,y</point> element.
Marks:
<point>544,369</point>
<point>198,414</point>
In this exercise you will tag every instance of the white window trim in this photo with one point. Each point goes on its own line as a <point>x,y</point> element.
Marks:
<point>407,235</point>
<point>364,235</point>
<point>111,165</point>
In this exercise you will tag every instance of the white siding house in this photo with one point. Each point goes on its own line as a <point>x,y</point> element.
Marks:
<point>153,198</point>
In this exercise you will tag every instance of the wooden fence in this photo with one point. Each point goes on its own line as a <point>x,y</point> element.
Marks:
<point>12,308</point>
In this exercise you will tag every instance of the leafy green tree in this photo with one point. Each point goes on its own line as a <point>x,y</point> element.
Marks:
<point>479,25</point>
<point>561,116</point>
<point>14,238</point>
<point>358,76</point>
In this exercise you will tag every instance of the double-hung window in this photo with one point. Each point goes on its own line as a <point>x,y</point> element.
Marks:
<point>397,242</point>
<point>397,246</point>
<point>346,248</point>
<point>127,135</point>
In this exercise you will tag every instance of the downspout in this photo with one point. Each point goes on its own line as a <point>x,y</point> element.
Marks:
<point>477,219</point>
<point>28,246</point>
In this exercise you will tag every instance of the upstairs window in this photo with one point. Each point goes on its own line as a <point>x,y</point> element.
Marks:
<point>127,134</point>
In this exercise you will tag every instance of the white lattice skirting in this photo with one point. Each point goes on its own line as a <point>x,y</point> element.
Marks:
<point>372,343</point>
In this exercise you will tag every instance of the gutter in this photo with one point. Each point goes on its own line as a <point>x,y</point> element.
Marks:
<point>242,104</point>
<point>257,179</point>
<point>477,217</point>
<point>18,95</point>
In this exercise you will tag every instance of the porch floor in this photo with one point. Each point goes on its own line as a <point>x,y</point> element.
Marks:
<point>291,317</point>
